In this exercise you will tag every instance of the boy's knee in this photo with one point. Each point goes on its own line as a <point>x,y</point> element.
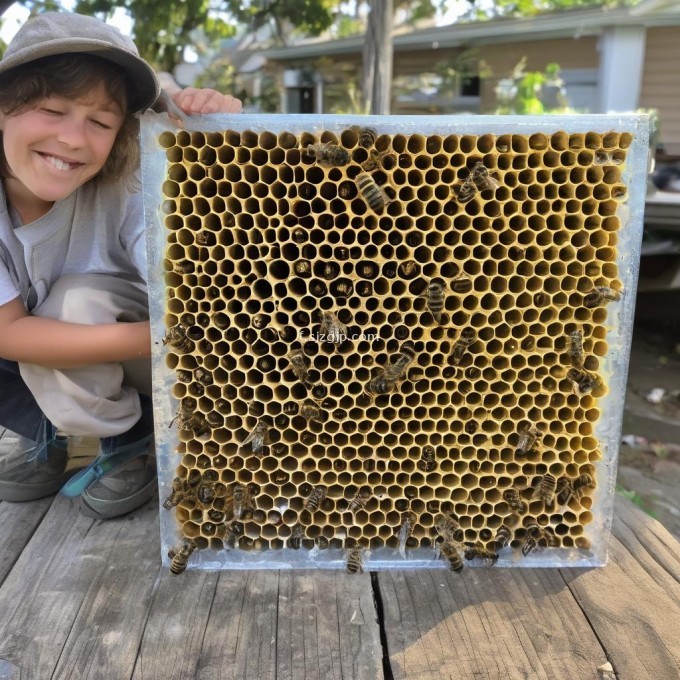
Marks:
<point>92,299</point>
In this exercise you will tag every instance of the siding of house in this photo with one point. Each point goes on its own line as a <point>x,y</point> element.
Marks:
<point>578,53</point>
<point>661,83</point>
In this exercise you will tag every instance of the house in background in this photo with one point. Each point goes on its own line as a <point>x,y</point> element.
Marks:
<point>610,60</point>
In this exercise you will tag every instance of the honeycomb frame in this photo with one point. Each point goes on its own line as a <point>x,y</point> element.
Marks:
<point>313,194</point>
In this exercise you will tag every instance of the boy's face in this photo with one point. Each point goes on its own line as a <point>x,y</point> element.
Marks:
<point>56,145</point>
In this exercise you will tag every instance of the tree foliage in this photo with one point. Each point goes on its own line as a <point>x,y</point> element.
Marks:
<point>531,92</point>
<point>479,9</point>
<point>163,29</point>
<point>311,18</point>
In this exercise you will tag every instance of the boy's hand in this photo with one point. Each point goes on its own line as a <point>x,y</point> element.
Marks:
<point>193,100</point>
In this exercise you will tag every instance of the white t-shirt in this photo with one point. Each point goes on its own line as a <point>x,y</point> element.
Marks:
<point>98,229</point>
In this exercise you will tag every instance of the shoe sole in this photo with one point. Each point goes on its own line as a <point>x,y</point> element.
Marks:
<point>21,493</point>
<point>100,509</point>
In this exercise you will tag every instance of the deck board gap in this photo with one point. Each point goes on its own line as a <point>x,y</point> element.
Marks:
<point>380,614</point>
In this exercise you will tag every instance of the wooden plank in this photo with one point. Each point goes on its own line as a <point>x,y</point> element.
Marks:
<point>263,625</point>
<point>173,637</point>
<point>486,623</point>
<point>327,627</point>
<point>18,522</point>
<point>633,604</point>
<point>44,592</point>
<point>106,633</point>
<point>240,635</point>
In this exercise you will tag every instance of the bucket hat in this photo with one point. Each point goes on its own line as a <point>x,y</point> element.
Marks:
<point>53,33</point>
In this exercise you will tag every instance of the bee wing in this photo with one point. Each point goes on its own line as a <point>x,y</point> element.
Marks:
<point>492,183</point>
<point>249,438</point>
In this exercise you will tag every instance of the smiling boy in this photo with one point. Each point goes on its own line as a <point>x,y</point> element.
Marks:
<point>74,332</point>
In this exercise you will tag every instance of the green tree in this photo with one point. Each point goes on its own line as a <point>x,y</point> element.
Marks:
<point>480,9</point>
<point>525,91</point>
<point>163,29</point>
<point>310,18</point>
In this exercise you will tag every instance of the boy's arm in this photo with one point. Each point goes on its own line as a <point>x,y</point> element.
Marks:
<point>58,344</point>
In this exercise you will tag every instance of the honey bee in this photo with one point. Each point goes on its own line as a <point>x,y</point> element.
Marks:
<point>482,179</point>
<point>478,550</point>
<point>241,501</point>
<point>329,153</point>
<point>180,490</point>
<point>205,494</point>
<point>448,528</point>
<point>576,348</point>
<point>355,561</point>
<point>584,382</point>
<point>527,439</point>
<point>394,371</point>
<point>216,516</point>
<point>310,411</point>
<point>408,269</point>
<point>564,490</point>
<point>450,552</point>
<point>514,500</point>
<point>502,537</point>
<point>479,179</point>
<point>190,420</point>
<point>359,501</point>
<point>303,268</point>
<point>180,557</point>
<point>234,530</point>
<point>332,329</point>
<point>366,135</point>
<point>582,483</point>
<point>462,284</point>
<point>298,362</point>
<point>435,299</point>
<point>408,519</point>
<point>176,337</point>
<point>183,376</point>
<point>545,491</point>
<point>602,157</point>
<point>258,437</point>
<point>538,537</point>
<point>315,498</point>
<point>467,337</point>
<point>374,195</point>
<point>205,238</point>
<point>600,294</point>
<point>183,267</point>
<point>427,461</point>
<point>296,535</point>
<point>375,160</point>
<point>203,376</point>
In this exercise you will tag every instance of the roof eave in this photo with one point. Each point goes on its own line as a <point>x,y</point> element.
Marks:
<point>572,24</point>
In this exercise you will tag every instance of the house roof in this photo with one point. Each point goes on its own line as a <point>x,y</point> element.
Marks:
<point>564,24</point>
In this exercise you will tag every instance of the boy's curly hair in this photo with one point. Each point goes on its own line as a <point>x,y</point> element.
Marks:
<point>74,76</point>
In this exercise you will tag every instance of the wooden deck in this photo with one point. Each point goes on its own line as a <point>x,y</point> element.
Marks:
<point>88,599</point>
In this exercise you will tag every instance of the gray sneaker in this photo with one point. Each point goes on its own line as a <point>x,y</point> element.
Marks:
<point>123,476</point>
<point>26,475</point>
<point>121,490</point>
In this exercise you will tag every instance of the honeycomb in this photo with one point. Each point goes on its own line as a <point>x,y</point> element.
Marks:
<point>388,344</point>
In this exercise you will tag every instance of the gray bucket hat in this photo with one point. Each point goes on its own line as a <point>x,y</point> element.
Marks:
<point>53,33</point>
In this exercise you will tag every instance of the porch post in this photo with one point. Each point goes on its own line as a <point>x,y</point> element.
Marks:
<point>622,54</point>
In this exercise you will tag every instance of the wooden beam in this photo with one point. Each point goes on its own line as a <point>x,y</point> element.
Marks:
<point>486,623</point>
